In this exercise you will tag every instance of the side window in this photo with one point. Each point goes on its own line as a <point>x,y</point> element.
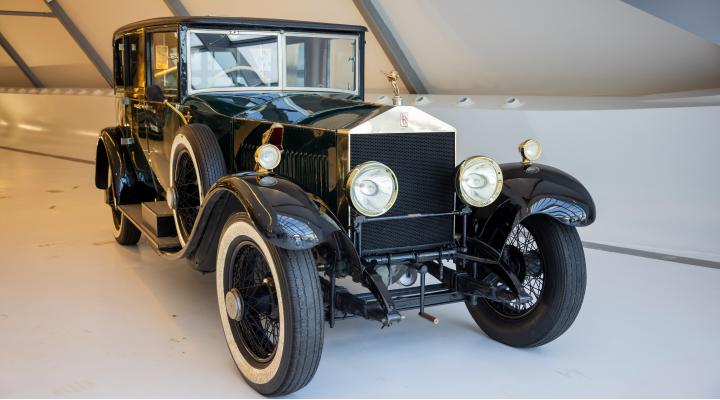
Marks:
<point>118,61</point>
<point>136,70</point>
<point>164,61</point>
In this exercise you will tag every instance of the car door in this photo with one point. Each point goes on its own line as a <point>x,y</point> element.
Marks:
<point>162,122</point>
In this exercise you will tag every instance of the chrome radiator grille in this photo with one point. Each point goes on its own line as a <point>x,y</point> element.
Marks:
<point>424,164</point>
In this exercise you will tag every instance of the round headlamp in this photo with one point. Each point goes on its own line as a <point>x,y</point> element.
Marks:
<point>479,181</point>
<point>530,150</point>
<point>373,188</point>
<point>268,156</point>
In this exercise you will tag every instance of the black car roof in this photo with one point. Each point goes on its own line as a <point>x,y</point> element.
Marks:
<point>246,23</point>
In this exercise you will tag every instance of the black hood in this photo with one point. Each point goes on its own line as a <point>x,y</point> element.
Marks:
<point>326,111</point>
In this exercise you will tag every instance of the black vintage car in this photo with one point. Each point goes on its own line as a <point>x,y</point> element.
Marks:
<point>245,146</point>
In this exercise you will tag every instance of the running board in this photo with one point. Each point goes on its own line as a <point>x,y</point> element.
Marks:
<point>134,213</point>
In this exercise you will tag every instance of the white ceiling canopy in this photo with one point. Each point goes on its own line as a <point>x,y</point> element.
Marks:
<point>549,47</point>
<point>459,47</point>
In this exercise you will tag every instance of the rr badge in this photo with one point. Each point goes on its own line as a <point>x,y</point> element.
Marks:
<point>404,119</point>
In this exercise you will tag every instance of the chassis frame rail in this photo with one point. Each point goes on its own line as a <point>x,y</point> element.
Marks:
<point>383,305</point>
<point>454,286</point>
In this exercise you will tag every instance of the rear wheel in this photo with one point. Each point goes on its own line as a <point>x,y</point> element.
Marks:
<point>271,309</point>
<point>548,259</point>
<point>124,231</point>
<point>196,163</point>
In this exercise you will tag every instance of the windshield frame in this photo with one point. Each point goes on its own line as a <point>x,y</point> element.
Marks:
<point>282,67</point>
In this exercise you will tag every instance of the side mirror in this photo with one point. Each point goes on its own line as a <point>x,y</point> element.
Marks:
<point>154,93</point>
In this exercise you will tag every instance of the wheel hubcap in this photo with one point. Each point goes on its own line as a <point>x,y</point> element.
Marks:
<point>171,195</point>
<point>523,256</point>
<point>533,263</point>
<point>234,304</point>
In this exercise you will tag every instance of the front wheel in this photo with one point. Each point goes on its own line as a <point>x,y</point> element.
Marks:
<point>271,309</point>
<point>548,258</point>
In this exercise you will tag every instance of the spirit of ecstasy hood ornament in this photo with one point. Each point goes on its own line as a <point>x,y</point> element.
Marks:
<point>393,77</point>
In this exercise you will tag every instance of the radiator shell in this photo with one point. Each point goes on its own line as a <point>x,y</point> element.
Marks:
<point>424,164</point>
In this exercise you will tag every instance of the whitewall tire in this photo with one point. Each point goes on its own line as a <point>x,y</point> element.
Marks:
<point>196,162</point>
<point>271,308</point>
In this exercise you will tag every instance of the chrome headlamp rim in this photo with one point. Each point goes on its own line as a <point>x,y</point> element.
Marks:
<point>469,162</point>
<point>352,176</point>
<point>524,144</point>
<point>267,146</point>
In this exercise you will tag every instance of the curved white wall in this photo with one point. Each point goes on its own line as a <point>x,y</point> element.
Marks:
<point>650,170</point>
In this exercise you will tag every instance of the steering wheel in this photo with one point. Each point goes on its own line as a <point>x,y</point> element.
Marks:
<point>234,73</point>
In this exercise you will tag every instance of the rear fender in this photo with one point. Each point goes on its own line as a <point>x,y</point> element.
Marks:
<point>529,190</point>
<point>129,184</point>
<point>109,152</point>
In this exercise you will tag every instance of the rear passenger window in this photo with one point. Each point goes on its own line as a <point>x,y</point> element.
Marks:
<point>164,61</point>
<point>118,61</point>
<point>136,70</point>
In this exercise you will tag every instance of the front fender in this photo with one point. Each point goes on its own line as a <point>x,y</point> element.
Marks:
<point>532,189</point>
<point>282,211</point>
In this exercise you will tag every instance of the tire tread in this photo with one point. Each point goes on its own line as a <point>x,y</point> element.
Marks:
<point>207,152</point>
<point>306,303</point>
<point>129,233</point>
<point>560,244</point>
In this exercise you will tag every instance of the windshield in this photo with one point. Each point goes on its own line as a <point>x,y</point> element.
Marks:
<point>320,62</point>
<point>225,60</point>
<point>234,60</point>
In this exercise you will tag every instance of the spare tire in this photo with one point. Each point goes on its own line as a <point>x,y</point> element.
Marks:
<point>196,162</point>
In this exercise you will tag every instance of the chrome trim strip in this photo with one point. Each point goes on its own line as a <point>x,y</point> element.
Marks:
<point>343,169</point>
<point>402,119</point>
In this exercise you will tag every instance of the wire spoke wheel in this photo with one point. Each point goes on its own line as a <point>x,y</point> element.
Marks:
<point>196,163</point>
<point>547,258</point>
<point>258,327</point>
<point>188,193</point>
<point>523,256</point>
<point>271,308</point>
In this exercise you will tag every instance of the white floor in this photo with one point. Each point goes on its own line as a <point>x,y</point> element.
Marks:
<point>81,316</point>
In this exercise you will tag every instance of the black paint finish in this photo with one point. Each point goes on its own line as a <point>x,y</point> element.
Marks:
<point>532,189</point>
<point>133,182</point>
